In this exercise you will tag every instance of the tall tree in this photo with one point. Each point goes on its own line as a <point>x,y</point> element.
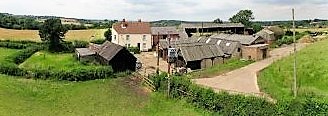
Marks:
<point>218,20</point>
<point>243,16</point>
<point>53,32</point>
<point>108,35</point>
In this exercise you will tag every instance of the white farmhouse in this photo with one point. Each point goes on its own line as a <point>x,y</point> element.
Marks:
<point>132,34</point>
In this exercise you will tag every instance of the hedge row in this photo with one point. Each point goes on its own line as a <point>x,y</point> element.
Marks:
<point>66,47</point>
<point>75,74</point>
<point>227,104</point>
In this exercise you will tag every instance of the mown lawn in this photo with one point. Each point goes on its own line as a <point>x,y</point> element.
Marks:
<point>228,66</point>
<point>25,97</point>
<point>312,74</point>
<point>53,61</point>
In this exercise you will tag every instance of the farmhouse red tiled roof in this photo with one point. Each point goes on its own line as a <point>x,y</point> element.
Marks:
<point>132,27</point>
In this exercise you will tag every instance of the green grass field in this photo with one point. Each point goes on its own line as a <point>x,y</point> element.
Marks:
<point>121,96</point>
<point>25,97</point>
<point>4,52</point>
<point>53,61</point>
<point>228,66</point>
<point>312,73</point>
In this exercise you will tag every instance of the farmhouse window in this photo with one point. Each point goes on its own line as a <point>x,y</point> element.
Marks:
<point>127,37</point>
<point>144,38</point>
<point>114,37</point>
<point>144,45</point>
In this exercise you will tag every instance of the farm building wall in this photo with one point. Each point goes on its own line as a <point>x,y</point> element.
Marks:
<point>206,63</point>
<point>218,60</point>
<point>254,53</point>
<point>123,61</point>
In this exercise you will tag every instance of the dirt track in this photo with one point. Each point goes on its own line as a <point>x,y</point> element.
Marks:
<point>244,80</point>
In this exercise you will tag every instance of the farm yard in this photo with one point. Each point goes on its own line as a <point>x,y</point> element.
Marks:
<point>33,35</point>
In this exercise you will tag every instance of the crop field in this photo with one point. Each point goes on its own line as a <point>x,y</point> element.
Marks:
<point>33,35</point>
<point>312,74</point>
<point>311,29</point>
<point>26,97</point>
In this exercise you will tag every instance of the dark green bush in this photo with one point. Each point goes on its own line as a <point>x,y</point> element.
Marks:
<point>135,50</point>
<point>98,41</point>
<point>11,69</point>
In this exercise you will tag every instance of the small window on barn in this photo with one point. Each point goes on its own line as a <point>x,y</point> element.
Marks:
<point>218,43</point>
<point>207,41</point>
<point>127,37</point>
<point>228,44</point>
<point>144,38</point>
<point>114,37</point>
<point>239,50</point>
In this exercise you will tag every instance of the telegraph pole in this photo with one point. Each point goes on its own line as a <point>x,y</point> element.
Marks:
<point>168,65</point>
<point>295,70</point>
<point>157,50</point>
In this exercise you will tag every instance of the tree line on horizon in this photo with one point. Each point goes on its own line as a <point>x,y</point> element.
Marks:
<point>18,22</point>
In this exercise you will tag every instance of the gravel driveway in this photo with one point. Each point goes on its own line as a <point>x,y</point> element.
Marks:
<point>244,80</point>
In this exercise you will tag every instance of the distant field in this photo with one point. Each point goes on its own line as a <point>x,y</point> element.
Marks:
<point>32,35</point>
<point>312,30</point>
<point>26,97</point>
<point>312,73</point>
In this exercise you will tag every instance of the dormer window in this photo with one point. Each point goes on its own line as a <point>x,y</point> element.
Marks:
<point>123,25</point>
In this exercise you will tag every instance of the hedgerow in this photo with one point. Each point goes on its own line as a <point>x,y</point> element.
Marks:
<point>228,104</point>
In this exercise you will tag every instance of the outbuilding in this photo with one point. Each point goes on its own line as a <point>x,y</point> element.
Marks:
<point>255,52</point>
<point>109,54</point>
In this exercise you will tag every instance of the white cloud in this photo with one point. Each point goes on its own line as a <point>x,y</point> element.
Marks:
<point>166,9</point>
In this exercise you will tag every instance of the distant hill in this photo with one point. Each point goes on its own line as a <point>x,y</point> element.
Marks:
<point>31,22</point>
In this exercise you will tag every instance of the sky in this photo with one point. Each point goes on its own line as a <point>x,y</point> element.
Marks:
<point>151,10</point>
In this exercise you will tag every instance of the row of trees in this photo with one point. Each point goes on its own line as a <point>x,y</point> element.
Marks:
<point>12,22</point>
<point>28,22</point>
<point>245,17</point>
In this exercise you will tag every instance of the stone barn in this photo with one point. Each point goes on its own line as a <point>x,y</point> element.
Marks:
<point>267,35</point>
<point>255,52</point>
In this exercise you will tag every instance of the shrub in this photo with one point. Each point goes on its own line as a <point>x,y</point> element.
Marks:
<point>135,50</point>
<point>98,41</point>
